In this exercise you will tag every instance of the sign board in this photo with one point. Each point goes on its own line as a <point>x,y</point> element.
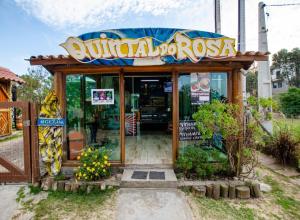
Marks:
<point>102,96</point>
<point>51,122</point>
<point>148,46</point>
<point>200,88</point>
<point>188,131</point>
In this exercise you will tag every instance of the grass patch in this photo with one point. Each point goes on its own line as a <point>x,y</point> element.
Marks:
<point>288,204</point>
<point>20,194</point>
<point>34,189</point>
<point>66,203</point>
<point>221,209</point>
<point>11,137</point>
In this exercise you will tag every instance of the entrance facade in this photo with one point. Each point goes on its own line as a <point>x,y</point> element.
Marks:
<point>148,119</point>
<point>133,92</point>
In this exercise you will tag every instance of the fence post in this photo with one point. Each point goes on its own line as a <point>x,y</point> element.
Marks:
<point>34,144</point>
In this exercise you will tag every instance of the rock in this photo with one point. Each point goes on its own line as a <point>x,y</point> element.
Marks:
<point>119,176</point>
<point>231,191</point>
<point>209,190</point>
<point>103,186</point>
<point>216,191</point>
<point>199,191</point>
<point>89,189</point>
<point>256,190</point>
<point>67,186</point>
<point>82,187</point>
<point>265,187</point>
<point>74,187</point>
<point>54,186</point>
<point>243,192</point>
<point>47,183</point>
<point>60,185</point>
<point>224,190</point>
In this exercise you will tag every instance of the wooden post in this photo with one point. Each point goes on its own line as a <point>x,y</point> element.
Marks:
<point>175,115</point>
<point>35,162</point>
<point>122,115</point>
<point>237,96</point>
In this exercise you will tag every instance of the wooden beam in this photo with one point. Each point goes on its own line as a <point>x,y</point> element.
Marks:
<point>175,115</point>
<point>122,116</point>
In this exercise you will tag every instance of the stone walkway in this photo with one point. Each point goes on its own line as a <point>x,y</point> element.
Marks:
<point>272,163</point>
<point>8,203</point>
<point>149,204</point>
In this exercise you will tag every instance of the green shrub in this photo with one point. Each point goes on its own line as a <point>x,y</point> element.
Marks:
<point>290,102</point>
<point>198,162</point>
<point>94,164</point>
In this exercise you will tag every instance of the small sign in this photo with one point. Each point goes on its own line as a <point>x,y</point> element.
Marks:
<point>102,96</point>
<point>188,131</point>
<point>200,88</point>
<point>51,122</point>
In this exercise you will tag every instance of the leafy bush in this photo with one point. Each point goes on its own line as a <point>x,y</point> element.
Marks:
<point>290,102</point>
<point>197,162</point>
<point>225,120</point>
<point>93,164</point>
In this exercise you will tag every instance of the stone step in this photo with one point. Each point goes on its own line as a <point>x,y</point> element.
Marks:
<point>127,181</point>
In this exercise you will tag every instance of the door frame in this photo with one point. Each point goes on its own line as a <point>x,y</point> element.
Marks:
<point>175,114</point>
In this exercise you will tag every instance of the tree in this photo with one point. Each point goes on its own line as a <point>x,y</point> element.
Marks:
<point>289,65</point>
<point>290,102</point>
<point>251,82</point>
<point>38,82</point>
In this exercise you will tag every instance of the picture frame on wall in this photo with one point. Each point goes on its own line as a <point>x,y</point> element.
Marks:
<point>103,96</point>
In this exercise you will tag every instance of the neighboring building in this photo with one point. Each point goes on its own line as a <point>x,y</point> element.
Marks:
<point>279,85</point>
<point>7,81</point>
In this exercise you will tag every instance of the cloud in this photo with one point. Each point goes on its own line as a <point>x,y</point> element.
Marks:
<point>80,13</point>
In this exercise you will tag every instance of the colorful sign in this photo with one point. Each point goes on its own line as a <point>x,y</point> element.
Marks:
<point>102,96</point>
<point>51,122</point>
<point>148,46</point>
<point>200,88</point>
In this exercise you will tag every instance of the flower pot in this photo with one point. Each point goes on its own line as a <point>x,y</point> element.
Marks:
<point>19,124</point>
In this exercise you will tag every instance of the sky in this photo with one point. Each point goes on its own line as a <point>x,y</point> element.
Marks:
<point>37,27</point>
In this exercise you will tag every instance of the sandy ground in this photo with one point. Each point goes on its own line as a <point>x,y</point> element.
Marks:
<point>8,203</point>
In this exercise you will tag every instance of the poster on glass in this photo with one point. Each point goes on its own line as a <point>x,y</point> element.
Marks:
<point>200,88</point>
<point>102,96</point>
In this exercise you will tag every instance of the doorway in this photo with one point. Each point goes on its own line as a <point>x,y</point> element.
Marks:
<point>148,119</point>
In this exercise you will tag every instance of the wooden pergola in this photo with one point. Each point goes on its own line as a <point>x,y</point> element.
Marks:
<point>60,66</point>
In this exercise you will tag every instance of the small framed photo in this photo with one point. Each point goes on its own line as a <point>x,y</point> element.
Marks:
<point>102,96</point>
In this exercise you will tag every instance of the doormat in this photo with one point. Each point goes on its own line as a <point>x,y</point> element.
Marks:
<point>157,175</point>
<point>142,175</point>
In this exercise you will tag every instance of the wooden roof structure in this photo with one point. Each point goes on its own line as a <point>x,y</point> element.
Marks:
<point>67,63</point>
<point>7,75</point>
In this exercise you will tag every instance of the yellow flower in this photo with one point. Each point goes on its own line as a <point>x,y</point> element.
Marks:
<point>84,165</point>
<point>84,174</point>
<point>85,154</point>
<point>105,162</point>
<point>93,169</point>
<point>89,150</point>
<point>104,170</point>
<point>94,162</point>
<point>78,177</point>
<point>80,174</point>
<point>78,157</point>
<point>96,174</point>
<point>85,177</point>
<point>105,157</point>
<point>108,164</point>
<point>102,166</point>
<point>82,154</point>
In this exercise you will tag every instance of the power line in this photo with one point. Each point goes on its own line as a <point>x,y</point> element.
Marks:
<point>279,5</point>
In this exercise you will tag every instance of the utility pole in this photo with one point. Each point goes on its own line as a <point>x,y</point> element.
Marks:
<point>242,39</point>
<point>217,17</point>
<point>263,75</point>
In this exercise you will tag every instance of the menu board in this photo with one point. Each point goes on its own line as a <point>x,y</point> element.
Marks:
<point>188,131</point>
<point>200,88</point>
<point>102,96</point>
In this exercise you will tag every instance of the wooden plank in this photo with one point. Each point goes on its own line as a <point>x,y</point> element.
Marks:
<point>10,166</point>
<point>122,116</point>
<point>26,141</point>
<point>175,115</point>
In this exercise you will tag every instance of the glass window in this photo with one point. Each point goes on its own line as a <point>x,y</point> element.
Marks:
<point>195,89</point>
<point>93,119</point>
